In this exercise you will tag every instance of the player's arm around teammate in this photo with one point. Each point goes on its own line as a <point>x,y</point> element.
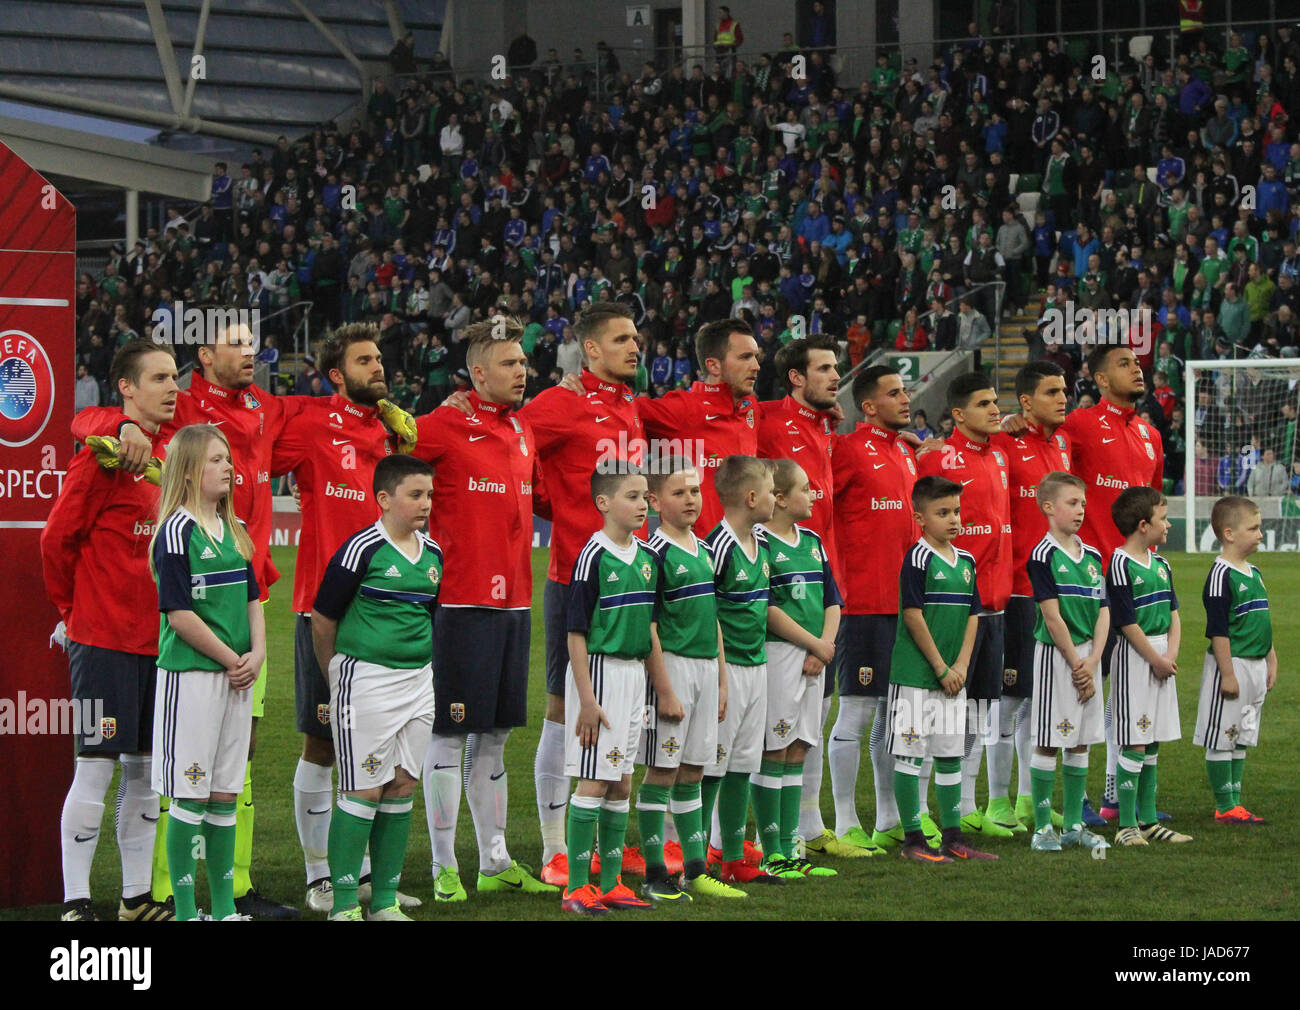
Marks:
<point>211,646</point>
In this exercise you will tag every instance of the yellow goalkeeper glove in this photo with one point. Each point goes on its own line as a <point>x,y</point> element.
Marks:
<point>400,423</point>
<point>107,449</point>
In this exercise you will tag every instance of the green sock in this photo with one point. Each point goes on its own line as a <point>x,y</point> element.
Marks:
<point>710,786</point>
<point>584,812</point>
<point>388,838</point>
<point>1146,791</point>
<point>765,790</point>
<point>651,812</point>
<point>162,881</point>
<point>219,853</point>
<point>733,812</point>
<point>613,831</point>
<point>1218,765</point>
<point>1076,785</point>
<point>244,835</point>
<point>182,844</point>
<point>1042,783</point>
<point>1238,766</point>
<point>1129,773</point>
<point>907,792</point>
<point>349,835</point>
<point>947,791</point>
<point>791,797</point>
<point>688,812</point>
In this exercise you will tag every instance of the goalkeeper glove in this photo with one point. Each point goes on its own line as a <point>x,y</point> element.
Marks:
<point>106,449</point>
<point>400,423</point>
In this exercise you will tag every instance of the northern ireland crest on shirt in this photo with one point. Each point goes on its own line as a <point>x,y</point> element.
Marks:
<point>1151,450</point>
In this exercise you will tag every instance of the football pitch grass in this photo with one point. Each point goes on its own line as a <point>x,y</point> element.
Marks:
<point>1225,873</point>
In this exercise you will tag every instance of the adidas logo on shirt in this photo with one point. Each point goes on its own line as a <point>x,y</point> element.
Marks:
<point>1241,588</point>
<point>392,572</point>
<point>207,554</point>
<point>1137,580</point>
<point>681,569</point>
<point>781,557</point>
<point>1063,569</point>
<point>939,575</point>
<point>742,575</point>
<point>613,577</point>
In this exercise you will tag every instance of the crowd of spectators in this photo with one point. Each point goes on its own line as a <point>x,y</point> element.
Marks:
<point>880,211</point>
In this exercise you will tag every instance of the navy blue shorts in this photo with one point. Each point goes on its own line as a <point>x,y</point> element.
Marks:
<point>480,669</point>
<point>865,644</point>
<point>984,682</point>
<point>555,605</point>
<point>311,691</point>
<point>1018,664</point>
<point>117,690</point>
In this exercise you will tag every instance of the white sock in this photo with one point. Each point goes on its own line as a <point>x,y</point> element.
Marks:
<point>1024,749</point>
<point>882,771</point>
<point>715,831</point>
<point>552,789</point>
<point>970,771</point>
<point>670,831</point>
<point>927,766</point>
<point>1002,752</point>
<point>313,795</point>
<point>486,793</point>
<point>1110,798</point>
<point>811,824</point>
<point>442,785</point>
<point>83,810</point>
<point>137,822</point>
<point>844,752</point>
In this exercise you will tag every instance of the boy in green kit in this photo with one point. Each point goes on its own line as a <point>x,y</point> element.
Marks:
<point>1241,664</point>
<point>1069,635</point>
<point>1144,698</point>
<point>687,691</point>
<point>611,604</point>
<point>938,608</point>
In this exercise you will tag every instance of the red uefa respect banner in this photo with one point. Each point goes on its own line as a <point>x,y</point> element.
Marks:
<point>38,282</point>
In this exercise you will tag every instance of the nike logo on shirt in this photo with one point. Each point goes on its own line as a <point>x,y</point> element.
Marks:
<point>605,418</point>
<point>1025,459</point>
<point>876,466</point>
<point>711,417</point>
<point>965,482</point>
<point>475,438</point>
<point>1107,441</point>
<point>798,447</point>
<point>341,441</point>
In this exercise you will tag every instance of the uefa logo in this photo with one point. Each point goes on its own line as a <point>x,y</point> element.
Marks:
<point>26,388</point>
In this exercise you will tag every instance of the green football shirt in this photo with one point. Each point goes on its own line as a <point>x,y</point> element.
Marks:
<point>1075,581</point>
<point>802,583</point>
<point>612,596</point>
<point>1236,608</point>
<point>1141,593</point>
<point>946,594</point>
<point>742,586</point>
<point>206,574</point>
<point>686,608</point>
<point>382,599</point>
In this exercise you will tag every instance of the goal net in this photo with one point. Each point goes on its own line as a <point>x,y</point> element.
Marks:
<point>1240,423</point>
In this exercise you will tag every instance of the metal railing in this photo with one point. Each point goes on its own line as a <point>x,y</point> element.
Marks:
<point>877,355</point>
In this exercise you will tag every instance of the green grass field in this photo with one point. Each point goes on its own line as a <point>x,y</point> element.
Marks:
<point>1226,873</point>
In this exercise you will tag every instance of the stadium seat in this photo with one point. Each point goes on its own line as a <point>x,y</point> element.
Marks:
<point>1139,46</point>
<point>1028,202</point>
<point>1012,181</point>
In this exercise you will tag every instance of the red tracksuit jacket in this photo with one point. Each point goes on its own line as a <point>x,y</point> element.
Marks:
<point>789,430</point>
<point>1031,456</point>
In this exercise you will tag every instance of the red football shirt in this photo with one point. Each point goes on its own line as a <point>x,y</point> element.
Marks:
<point>573,433</point>
<point>874,473</point>
<point>1111,450</point>
<point>252,420</point>
<point>710,424</point>
<point>332,447</point>
<point>485,478</point>
<point>981,469</point>
<point>1031,456</point>
<point>95,554</point>
<point>789,430</point>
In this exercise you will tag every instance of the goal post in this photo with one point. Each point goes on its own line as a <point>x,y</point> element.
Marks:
<point>1240,419</point>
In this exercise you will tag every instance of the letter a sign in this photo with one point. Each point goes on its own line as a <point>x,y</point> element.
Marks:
<point>639,16</point>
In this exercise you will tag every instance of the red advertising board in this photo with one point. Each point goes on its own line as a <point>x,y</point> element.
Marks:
<point>38,278</point>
